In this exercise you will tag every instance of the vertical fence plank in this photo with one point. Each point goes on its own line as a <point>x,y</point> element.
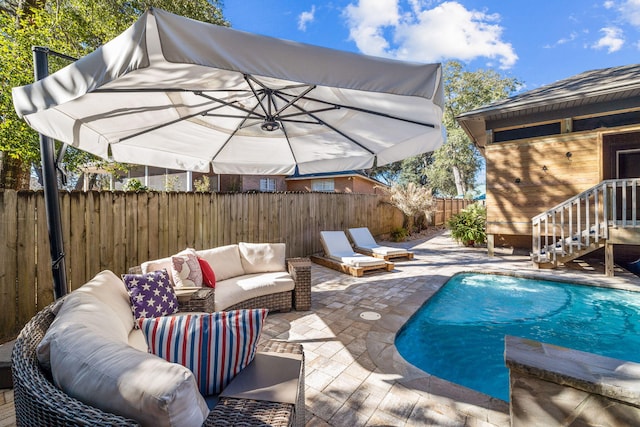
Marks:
<point>131,221</point>
<point>9,262</point>
<point>78,239</point>
<point>26,253</point>
<point>118,250</point>
<point>44,281</point>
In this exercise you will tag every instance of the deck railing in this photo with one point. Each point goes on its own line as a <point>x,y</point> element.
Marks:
<point>582,222</point>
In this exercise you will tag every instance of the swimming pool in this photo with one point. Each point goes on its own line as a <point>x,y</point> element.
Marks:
<point>458,334</point>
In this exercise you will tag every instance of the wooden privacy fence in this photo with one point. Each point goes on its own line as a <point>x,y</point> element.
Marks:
<point>445,208</point>
<point>117,230</point>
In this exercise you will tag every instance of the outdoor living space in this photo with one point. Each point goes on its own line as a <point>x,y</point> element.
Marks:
<point>354,374</point>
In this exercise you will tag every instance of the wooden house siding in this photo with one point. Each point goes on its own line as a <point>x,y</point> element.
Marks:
<point>512,204</point>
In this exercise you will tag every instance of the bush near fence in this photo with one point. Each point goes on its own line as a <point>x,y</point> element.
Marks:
<point>117,230</point>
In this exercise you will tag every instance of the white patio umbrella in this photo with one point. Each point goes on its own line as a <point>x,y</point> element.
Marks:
<point>181,94</point>
<point>177,93</point>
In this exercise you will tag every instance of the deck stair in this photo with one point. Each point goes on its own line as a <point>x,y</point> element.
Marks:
<point>586,222</point>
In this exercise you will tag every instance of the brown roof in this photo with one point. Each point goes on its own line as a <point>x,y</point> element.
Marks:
<point>591,92</point>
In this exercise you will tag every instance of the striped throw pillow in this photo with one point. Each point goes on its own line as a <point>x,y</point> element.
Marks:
<point>214,346</point>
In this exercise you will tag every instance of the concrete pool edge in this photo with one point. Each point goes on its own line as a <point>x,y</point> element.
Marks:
<point>549,383</point>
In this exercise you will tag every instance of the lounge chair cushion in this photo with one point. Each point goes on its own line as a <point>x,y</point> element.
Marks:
<point>357,260</point>
<point>262,257</point>
<point>214,346</point>
<point>151,294</point>
<point>386,250</point>
<point>186,271</point>
<point>363,239</point>
<point>224,260</point>
<point>92,361</point>
<point>337,247</point>
<point>237,289</point>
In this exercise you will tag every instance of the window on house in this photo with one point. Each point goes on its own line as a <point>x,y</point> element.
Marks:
<point>323,185</point>
<point>267,184</point>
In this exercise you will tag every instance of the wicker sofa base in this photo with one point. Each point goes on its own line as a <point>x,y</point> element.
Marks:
<point>280,301</point>
<point>38,402</point>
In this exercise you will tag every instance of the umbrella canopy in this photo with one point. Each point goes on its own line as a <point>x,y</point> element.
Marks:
<point>177,93</point>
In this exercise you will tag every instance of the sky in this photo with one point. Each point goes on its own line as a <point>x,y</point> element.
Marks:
<point>537,42</point>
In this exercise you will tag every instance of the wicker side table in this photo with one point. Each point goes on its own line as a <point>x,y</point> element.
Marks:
<point>201,300</point>
<point>300,271</point>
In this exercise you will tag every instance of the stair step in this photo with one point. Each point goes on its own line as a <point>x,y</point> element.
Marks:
<point>6,380</point>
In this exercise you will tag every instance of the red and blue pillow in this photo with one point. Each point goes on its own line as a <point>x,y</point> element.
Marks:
<point>214,346</point>
<point>151,294</point>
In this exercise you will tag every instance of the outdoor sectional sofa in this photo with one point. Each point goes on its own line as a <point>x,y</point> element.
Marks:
<point>247,275</point>
<point>83,361</point>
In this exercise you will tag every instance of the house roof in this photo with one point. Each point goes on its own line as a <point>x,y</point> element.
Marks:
<point>326,175</point>
<point>591,92</point>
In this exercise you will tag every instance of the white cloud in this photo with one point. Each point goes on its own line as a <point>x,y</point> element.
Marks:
<point>612,40</point>
<point>305,18</point>
<point>445,31</point>
<point>630,12</point>
<point>367,21</point>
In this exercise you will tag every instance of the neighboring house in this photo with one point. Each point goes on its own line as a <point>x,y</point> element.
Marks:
<point>240,183</point>
<point>556,147</point>
<point>338,182</point>
<point>160,179</point>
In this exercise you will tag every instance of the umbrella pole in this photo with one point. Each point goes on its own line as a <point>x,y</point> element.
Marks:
<point>50,182</point>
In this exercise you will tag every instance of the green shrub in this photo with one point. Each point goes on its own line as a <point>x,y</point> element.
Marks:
<point>134,184</point>
<point>469,226</point>
<point>399,234</point>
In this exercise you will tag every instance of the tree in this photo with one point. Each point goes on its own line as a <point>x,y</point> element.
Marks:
<point>72,27</point>
<point>413,200</point>
<point>451,169</point>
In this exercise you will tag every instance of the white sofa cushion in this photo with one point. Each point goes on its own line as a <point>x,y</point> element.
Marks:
<point>101,300</point>
<point>237,289</point>
<point>224,260</point>
<point>262,257</point>
<point>91,360</point>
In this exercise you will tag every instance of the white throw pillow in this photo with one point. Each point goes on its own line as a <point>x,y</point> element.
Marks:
<point>224,260</point>
<point>163,264</point>
<point>262,257</point>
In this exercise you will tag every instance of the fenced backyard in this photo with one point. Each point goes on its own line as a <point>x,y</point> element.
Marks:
<point>117,230</point>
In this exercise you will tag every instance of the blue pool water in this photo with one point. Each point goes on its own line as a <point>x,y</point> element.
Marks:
<point>458,334</point>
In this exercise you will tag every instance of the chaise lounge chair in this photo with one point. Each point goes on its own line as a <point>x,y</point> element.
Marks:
<point>339,255</point>
<point>364,243</point>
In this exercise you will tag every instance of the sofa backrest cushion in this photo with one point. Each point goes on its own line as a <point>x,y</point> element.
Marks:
<point>103,299</point>
<point>90,360</point>
<point>214,346</point>
<point>110,289</point>
<point>224,260</point>
<point>262,257</point>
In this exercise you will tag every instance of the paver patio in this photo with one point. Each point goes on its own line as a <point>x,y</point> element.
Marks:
<point>354,375</point>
